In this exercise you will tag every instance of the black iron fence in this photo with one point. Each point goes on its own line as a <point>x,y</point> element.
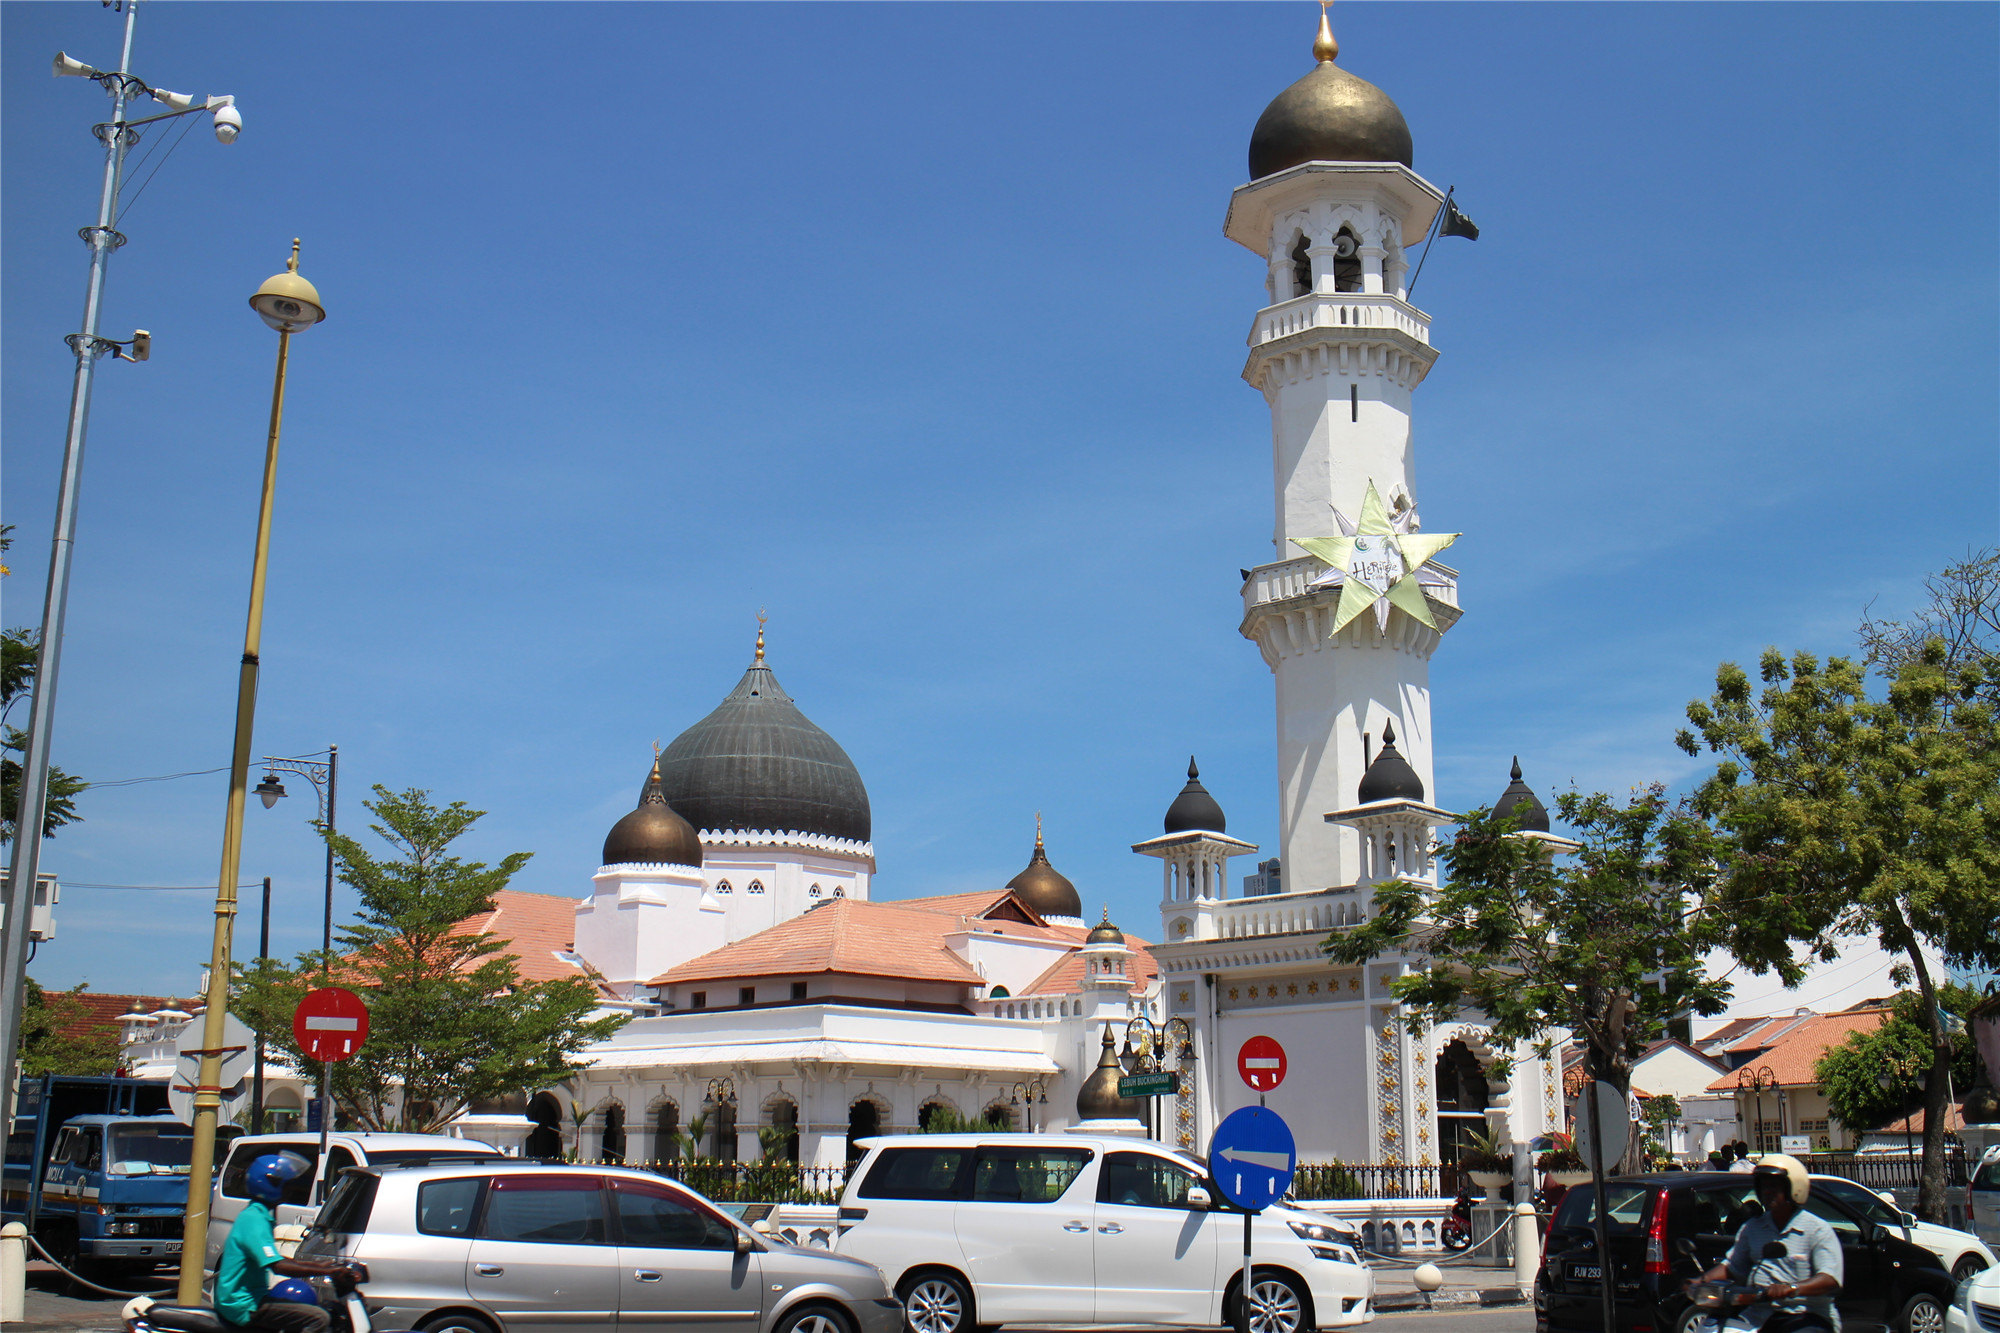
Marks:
<point>1889,1171</point>
<point>748,1182</point>
<point>1361,1180</point>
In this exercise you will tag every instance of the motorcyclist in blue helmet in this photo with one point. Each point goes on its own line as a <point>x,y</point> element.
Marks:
<point>244,1294</point>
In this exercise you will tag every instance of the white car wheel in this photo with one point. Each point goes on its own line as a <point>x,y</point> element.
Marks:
<point>1276,1307</point>
<point>937,1303</point>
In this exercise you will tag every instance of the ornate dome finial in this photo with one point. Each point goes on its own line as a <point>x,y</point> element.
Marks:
<point>1515,771</point>
<point>761,618</point>
<point>1325,48</point>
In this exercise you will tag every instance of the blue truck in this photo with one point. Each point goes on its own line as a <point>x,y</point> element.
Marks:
<point>97,1168</point>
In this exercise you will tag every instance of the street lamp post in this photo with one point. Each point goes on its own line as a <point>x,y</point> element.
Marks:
<point>289,304</point>
<point>325,779</point>
<point>1147,1044</point>
<point>118,135</point>
<point>1756,1082</point>
<point>722,1092</point>
<point>1028,1094</point>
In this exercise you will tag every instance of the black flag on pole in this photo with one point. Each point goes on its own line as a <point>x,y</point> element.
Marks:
<point>1457,224</point>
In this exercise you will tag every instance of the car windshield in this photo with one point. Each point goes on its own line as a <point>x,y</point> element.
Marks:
<point>159,1150</point>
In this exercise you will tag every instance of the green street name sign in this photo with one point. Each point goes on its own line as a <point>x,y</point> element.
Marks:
<point>1149,1085</point>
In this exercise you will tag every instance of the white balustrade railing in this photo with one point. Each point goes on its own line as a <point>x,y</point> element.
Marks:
<point>1344,310</point>
<point>1287,914</point>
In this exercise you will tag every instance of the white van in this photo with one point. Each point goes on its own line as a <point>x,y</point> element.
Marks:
<point>303,1196</point>
<point>1983,1198</point>
<point>975,1230</point>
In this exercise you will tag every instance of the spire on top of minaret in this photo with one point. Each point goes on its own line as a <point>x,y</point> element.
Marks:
<point>1325,48</point>
<point>761,618</point>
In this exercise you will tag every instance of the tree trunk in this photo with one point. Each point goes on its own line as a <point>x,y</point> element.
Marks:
<point>1937,1098</point>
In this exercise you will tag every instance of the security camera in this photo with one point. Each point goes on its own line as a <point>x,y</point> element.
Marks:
<point>76,69</point>
<point>228,120</point>
<point>178,101</point>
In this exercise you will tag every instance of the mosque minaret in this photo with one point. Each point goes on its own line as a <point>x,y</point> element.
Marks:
<point>1334,209</point>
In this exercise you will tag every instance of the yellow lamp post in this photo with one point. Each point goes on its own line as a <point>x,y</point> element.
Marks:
<point>289,304</point>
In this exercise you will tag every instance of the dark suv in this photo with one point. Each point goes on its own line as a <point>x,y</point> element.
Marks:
<point>1890,1283</point>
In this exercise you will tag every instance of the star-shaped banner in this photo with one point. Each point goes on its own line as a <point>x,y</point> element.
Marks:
<point>1376,563</point>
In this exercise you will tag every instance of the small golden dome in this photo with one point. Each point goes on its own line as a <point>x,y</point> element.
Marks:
<point>1042,887</point>
<point>1328,116</point>
<point>1098,1098</point>
<point>652,834</point>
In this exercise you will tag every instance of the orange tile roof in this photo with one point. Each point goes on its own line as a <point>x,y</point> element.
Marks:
<point>96,1021</point>
<point>536,928</point>
<point>846,935</point>
<point>1792,1056</point>
<point>1913,1124</point>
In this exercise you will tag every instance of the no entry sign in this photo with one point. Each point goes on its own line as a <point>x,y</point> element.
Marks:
<point>330,1024</point>
<point>1261,1063</point>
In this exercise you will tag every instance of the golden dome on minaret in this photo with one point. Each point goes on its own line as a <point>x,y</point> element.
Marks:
<point>1328,116</point>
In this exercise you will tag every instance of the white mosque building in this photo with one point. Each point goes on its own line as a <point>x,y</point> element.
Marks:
<point>733,917</point>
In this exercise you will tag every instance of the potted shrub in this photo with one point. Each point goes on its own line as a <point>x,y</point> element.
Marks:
<point>1484,1159</point>
<point>1562,1163</point>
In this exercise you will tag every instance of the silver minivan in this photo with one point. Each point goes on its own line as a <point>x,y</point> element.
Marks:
<point>533,1248</point>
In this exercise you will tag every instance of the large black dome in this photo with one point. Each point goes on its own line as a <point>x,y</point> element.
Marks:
<point>1328,116</point>
<point>758,763</point>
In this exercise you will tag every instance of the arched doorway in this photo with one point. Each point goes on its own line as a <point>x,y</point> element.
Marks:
<point>1461,1101</point>
<point>784,1117</point>
<point>666,1132</point>
<point>545,1139</point>
<point>722,1131</point>
<point>614,1133</point>
<point>864,1121</point>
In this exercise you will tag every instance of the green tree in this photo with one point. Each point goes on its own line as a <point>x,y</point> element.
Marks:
<point>1849,814</point>
<point>58,1036</point>
<point>1874,1077</point>
<point>1607,943</point>
<point>17,682</point>
<point>1662,1113</point>
<point>451,1020</point>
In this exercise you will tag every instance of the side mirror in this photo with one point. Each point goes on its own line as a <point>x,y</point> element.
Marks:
<point>1909,1219</point>
<point>744,1244</point>
<point>1197,1197</point>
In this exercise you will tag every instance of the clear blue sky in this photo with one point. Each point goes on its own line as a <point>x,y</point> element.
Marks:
<point>915,324</point>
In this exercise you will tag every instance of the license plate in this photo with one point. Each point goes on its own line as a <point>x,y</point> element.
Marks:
<point>173,1247</point>
<point>1587,1272</point>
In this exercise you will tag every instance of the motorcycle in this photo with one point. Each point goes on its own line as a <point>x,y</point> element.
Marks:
<point>1737,1307</point>
<point>1456,1231</point>
<point>343,1302</point>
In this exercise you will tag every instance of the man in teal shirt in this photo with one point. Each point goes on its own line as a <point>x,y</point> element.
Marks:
<point>250,1256</point>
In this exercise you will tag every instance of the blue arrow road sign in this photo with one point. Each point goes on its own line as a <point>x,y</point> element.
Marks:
<point>1252,1157</point>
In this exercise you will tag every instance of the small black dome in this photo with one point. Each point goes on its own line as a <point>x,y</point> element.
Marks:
<point>652,834</point>
<point>1390,777</point>
<point>1530,815</point>
<point>1104,932</point>
<point>1098,1098</point>
<point>1044,888</point>
<point>1194,808</point>
<point>758,763</point>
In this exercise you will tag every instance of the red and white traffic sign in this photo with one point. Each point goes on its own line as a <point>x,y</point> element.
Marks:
<point>331,1023</point>
<point>1261,1062</point>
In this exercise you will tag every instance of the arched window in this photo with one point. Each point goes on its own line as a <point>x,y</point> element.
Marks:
<point>930,1113</point>
<point>1461,1100</point>
<point>784,1129</point>
<point>545,1140</point>
<point>667,1132</point>
<point>839,891</point>
<point>1346,262</point>
<point>756,886</point>
<point>613,1147</point>
<point>998,1116</point>
<point>999,993</point>
<point>864,1121</point>
<point>1302,283</point>
<point>722,886</point>
<point>813,892</point>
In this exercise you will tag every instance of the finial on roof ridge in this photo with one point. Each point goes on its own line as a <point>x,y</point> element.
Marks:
<point>761,618</point>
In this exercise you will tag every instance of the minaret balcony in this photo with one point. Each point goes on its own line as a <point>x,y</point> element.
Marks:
<point>1291,581</point>
<point>1340,311</point>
